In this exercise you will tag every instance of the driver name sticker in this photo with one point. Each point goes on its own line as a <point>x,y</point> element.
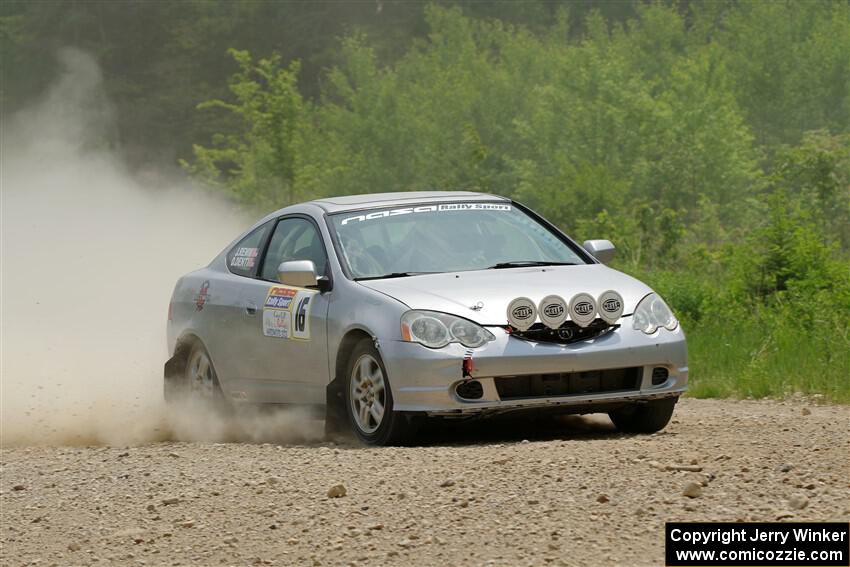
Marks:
<point>427,209</point>
<point>244,258</point>
<point>286,313</point>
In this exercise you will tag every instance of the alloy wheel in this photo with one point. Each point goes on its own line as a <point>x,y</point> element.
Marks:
<point>368,393</point>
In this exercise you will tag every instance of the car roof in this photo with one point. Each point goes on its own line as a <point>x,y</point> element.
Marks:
<point>374,200</point>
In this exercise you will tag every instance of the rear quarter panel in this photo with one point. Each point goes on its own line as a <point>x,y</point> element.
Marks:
<point>202,308</point>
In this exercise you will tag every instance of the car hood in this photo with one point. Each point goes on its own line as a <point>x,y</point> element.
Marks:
<point>492,290</point>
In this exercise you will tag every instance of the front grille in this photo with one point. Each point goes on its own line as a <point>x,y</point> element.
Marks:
<point>566,334</point>
<point>568,383</point>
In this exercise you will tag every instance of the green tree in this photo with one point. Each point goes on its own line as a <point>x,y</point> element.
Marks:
<point>259,164</point>
<point>790,66</point>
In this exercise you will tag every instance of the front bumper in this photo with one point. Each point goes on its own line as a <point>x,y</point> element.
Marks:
<point>424,380</point>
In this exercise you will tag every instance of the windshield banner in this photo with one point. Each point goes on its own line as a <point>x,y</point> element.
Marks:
<point>427,209</point>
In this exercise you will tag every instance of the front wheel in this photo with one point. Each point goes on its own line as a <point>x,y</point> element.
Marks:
<point>647,417</point>
<point>369,400</point>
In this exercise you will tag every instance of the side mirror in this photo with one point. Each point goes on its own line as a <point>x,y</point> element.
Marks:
<point>602,250</point>
<point>298,273</point>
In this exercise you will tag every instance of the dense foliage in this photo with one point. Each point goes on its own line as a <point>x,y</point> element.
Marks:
<point>159,59</point>
<point>710,142</point>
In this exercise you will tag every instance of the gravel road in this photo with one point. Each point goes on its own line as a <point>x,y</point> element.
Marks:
<point>512,492</point>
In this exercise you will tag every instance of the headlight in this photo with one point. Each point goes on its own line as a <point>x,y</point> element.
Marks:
<point>652,313</point>
<point>436,330</point>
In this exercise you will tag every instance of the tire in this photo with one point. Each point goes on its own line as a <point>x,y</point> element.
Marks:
<point>200,381</point>
<point>369,400</point>
<point>648,417</point>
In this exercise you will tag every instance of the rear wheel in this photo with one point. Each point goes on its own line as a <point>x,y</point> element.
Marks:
<point>648,417</point>
<point>369,400</point>
<point>200,381</point>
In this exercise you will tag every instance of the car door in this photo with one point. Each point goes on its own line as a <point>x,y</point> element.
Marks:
<point>288,326</point>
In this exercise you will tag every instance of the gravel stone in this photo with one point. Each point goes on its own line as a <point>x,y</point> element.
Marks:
<point>692,490</point>
<point>798,502</point>
<point>689,468</point>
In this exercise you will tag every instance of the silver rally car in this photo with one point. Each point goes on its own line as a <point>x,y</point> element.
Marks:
<point>385,308</point>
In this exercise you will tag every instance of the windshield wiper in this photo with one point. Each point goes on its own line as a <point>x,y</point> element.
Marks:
<point>526,263</point>
<point>393,275</point>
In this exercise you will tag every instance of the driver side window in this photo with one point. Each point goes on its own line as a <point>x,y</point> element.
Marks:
<point>294,239</point>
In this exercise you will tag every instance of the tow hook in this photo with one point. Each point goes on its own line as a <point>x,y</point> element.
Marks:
<point>466,367</point>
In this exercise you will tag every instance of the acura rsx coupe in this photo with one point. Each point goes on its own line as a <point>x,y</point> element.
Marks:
<point>382,309</point>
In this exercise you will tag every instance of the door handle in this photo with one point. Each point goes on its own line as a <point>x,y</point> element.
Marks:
<point>250,309</point>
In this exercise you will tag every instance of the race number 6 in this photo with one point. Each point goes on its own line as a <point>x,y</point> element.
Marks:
<point>301,315</point>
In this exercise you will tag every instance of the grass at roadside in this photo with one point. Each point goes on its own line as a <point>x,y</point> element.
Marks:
<point>768,355</point>
<point>748,340</point>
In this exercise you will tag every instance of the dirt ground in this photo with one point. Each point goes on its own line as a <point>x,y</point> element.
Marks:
<point>512,492</point>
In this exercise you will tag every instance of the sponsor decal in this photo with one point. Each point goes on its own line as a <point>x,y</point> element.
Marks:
<point>280,298</point>
<point>478,306</point>
<point>553,311</point>
<point>426,209</point>
<point>610,306</point>
<point>582,309</point>
<point>277,323</point>
<point>202,296</point>
<point>521,313</point>
<point>286,313</point>
<point>244,258</point>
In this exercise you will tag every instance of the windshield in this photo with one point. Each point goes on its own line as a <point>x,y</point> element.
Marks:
<point>448,237</point>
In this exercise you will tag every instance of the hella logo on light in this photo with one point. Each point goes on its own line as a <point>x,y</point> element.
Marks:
<point>553,310</point>
<point>522,312</point>
<point>611,305</point>
<point>583,308</point>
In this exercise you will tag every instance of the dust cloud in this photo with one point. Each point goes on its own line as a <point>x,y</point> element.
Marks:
<point>90,254</point>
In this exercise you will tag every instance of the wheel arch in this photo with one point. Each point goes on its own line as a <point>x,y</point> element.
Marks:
<point>334,394</point>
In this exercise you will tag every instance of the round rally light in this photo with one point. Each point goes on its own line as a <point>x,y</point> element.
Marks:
<point>610,306</point>
<point>582,309</point>
<point>521,313</point>
<point>552,311</point>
